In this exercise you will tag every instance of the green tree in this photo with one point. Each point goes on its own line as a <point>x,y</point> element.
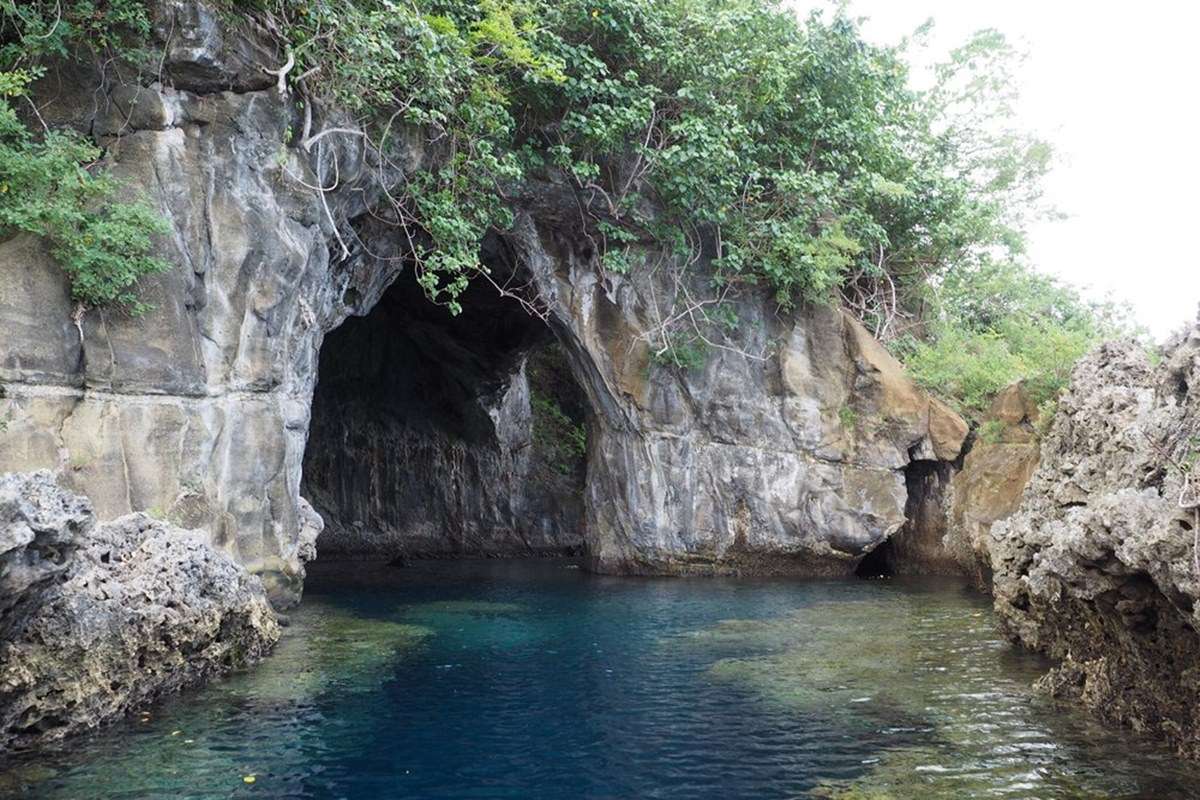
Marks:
<point>729,137</point>
<point>999,322</point>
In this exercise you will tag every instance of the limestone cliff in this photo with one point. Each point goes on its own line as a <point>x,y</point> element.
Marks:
<point>1099,568</point>
<point>994,474</point>
<point>787,451</point>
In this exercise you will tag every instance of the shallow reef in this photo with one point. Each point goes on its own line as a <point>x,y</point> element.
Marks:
<point>924,677</point>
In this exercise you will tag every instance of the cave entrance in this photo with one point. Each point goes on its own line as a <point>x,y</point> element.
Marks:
<point>435,435</point>
<point>879,563</point>
<point>917,548</point>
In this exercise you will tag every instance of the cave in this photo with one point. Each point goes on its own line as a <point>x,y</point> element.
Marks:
<point>440,435</point>
<point>879,563</point>
<point>917,547</point>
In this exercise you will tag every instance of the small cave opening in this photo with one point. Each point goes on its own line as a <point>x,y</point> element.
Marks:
<point>879,563</point>
<point>435,435</point>
<point>917,547</point>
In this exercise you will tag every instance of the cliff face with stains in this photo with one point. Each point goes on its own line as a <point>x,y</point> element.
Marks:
<point>786,451</point>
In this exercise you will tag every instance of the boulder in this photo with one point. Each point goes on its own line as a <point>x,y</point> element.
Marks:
<point>101,619</point>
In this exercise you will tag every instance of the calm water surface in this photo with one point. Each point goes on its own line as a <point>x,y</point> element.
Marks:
<point>536,680</point>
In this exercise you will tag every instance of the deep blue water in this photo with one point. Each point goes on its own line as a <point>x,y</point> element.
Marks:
<point>537,680</point>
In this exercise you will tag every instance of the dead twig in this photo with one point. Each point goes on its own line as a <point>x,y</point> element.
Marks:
<point>282,73</point>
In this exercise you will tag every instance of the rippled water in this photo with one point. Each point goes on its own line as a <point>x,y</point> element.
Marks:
<point>536,680</point>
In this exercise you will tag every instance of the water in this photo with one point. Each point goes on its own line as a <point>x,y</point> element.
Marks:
<point>536,680</point>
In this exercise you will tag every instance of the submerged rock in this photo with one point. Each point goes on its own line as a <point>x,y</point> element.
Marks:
<point>916,675</point>
<point>1098,567</point>
<point>105,618</point>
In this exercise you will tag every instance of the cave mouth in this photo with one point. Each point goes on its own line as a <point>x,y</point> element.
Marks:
<point>917,548</point>
<point>879,563</point>
<point>440,436</point>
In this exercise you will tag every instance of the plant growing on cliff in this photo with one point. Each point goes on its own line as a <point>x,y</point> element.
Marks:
<point>991,431</point>
<point>558,416</point>
<point>446,69</point>
<point>681,350</point>
<point>774,152</point>
<point>1047,410</point>
<point>52,184</point>
<point>999,322</point>
<point>783,153</point>
<point>557,434</point>
<point>50,187</point>
<point>848,418</point>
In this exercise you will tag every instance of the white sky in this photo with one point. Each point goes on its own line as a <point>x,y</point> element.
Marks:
<point>1116,88</point>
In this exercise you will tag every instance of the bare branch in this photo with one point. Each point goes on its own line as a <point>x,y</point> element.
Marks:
<point>310,141</point>
<point>282,73</point>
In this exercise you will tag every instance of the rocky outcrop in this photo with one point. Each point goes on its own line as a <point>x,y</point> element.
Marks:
<point>41,526</point>
<point>994,474</point>
<point>109,617</point>
<point>1098,568</point>
<point>786,451</point>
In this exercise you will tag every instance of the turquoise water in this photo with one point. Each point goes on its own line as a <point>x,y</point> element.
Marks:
<point>537,680</point>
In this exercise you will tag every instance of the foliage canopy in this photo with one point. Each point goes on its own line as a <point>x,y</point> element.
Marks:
<point>786,153</point>
<point>800,151</point>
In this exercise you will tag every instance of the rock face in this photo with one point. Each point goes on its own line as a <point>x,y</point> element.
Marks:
<point>199,408</point>
<point>130,610</point>
<point>1098,568</point>
<point>785,452</point>
<point>994,474</point>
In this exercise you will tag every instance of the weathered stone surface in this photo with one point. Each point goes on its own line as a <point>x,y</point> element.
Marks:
<point>135,610</point>
<point>1098,567</point>
<point>40,528</point>
<point>791,459</point>
<point>784,453</point>
<point>988,488</point>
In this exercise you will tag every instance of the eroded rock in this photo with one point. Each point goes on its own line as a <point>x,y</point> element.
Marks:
<point>41,526</point>
<point>133,609</point>
<point>993,478</point>
<point>1098,567</point>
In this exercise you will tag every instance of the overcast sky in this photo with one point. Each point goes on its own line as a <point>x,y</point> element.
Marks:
<point>1116,88</point>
